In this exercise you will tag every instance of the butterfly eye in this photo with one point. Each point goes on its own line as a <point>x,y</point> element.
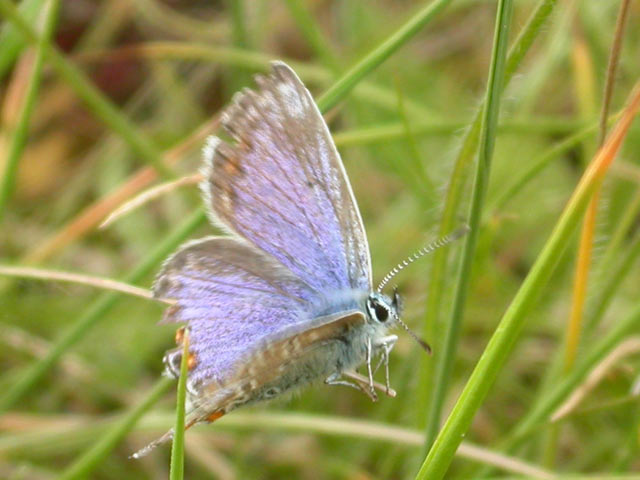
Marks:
<point>382,313</point>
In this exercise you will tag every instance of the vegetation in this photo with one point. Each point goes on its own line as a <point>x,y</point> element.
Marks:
<point>515,118</point>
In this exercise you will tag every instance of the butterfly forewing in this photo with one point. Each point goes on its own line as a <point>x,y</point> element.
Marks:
<point>281,185</point>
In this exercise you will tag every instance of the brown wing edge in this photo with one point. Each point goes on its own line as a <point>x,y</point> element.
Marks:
<point>269,361</point>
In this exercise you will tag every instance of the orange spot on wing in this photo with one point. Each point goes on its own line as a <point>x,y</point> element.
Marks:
<point>215,416</point>
<point>179,336</point>
<point>192,361</point>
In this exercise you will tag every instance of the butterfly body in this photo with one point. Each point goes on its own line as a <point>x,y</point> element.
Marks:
<point>346,332</point>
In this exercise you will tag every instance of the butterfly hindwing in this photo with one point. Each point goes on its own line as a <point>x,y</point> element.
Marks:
<point>232,297</point>
<point>282,362</point>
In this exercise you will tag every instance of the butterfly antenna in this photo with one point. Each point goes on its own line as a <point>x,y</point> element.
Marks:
<point>425,346</point>
<point>441,242</point>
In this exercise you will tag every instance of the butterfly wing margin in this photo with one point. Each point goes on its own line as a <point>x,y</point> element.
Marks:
<point>233,297</point>
<point>283,187</point>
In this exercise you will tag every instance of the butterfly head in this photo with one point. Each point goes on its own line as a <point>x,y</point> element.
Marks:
<point>382,309</point>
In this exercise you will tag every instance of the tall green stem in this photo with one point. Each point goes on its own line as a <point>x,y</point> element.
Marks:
<point>483,169</point>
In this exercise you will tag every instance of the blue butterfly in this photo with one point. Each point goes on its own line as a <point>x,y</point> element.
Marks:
<point>286,299</point>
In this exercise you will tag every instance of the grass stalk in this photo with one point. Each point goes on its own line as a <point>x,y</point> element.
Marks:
<point>453,198</point>
<point>47,441</point>
<point>78,278</point>
<point>95,312</point>
<point>11,40</point>
<point>612,68</point>
<point>108,440</point>
<point>377,95</point>
<point>583,263</point>
<point>95,100</point>
<point>176,469</point>
<point>481,181</point>
<point>507,331</point>
<point>18,133</point>
<point>561,391</point>
<point>378,55</point>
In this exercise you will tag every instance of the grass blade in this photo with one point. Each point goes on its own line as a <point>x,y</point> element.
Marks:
<point>559,393</point>
<point>176,471</point>
<point>483,168</point>
<point>86,463</point>
<point>504,337</point>
<point>95,312</point>
<point>99,104</point>
<point>11,40</point>
<point>454,194</point>
<point>18,134</point>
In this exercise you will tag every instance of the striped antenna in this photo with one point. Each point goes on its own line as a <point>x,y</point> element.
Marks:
<point>441,242</point>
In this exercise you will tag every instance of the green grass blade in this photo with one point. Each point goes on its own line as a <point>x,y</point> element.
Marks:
<point>380,54</point>
<point>97,103</point>
<point>312,34</point>
<point>11,40</point>
<point>374,94</point>
<point>18,135</point>
<point>176,471</point>
<point>86,463</point>
<point>95,312</point>
<point>483,169</point>
<point>510,326</point>
<point>560,392</point>
<point>453,199</point>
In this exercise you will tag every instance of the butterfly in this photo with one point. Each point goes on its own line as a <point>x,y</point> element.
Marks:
<point>286,298</point>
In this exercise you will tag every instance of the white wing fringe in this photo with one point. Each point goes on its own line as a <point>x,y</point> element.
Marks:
<point>167,437</point>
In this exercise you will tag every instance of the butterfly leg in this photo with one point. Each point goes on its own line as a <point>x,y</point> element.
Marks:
<point>386,344</point>
<point>369,369</point>
<point>358,384</point>
<point>362,380</point>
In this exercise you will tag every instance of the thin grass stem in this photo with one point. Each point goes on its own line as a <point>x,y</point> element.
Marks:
<point>81,279</point>
<point>176,468</point>
<point>453,199</point>
<point>510,326</point>
<point>18,133</point>
<point>99,104</point>
<point>481,181</point>
<point>108,440</point>
<point>94,313</point>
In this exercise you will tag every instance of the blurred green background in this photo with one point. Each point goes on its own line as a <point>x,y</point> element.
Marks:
<point>137,83</point>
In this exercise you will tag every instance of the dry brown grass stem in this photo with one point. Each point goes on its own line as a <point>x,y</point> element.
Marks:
<point>149,195</point>
<point>626,348</point>
<point>97,282</point>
